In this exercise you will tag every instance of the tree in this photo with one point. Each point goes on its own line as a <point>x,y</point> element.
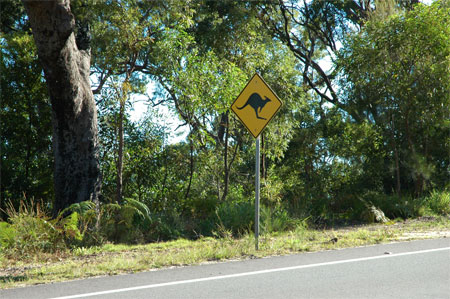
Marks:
<point>122,43</point>
<point>395,75</point>
<point>314,31</point>
<point>65,59</point>
<point>203,65</point>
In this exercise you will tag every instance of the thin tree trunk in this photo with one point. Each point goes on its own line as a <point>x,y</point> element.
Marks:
<point>119,188</point>
<point>29,142</point>
<point>397,164</point>
<point>66,67</point>
<point>191,169</point>
<point>225,160</point>
<point>416,174</point>
<point>397,171</point>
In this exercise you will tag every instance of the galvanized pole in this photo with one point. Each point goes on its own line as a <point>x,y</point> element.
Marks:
<point>257,164</point>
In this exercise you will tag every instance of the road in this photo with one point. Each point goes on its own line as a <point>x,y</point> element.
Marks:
<point>416,269</point>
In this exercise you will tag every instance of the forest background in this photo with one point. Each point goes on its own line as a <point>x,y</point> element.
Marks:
<point>364,133</point>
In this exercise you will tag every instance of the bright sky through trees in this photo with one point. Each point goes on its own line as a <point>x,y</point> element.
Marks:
<point>141,105</point>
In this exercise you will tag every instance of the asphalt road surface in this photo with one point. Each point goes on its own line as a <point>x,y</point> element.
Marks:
<point>417,269</point>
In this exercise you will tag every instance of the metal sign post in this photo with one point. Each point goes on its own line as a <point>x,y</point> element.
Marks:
<point>257,185</point>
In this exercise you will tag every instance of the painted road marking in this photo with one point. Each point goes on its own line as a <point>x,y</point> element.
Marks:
<point>165,284</point>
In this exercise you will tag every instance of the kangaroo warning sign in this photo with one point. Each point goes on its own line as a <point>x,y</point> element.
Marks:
<point>256,105</point>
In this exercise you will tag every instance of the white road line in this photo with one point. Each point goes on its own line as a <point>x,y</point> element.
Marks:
<point>165,284</point>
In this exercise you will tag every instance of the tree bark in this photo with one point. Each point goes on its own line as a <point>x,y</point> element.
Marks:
<point>226,169</point>
<point>119,190</point>
<point>191,168</point>
<point>396,157</point>
<point>66,67</point>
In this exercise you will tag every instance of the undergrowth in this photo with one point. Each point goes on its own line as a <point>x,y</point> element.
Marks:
<point>110,259</point>
<point>30,232</point>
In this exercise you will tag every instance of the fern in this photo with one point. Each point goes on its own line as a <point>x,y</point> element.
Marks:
<point>140,208</point>
<point>80,207</point>
<point>70,225</point>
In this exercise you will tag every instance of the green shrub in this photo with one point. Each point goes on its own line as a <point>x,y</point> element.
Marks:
<point>35,234</point>
<point>236,216</point>
<point>7,235</point>
<point>202,208</point>
<point>275,219</point>
<point>131,222</point>
<point>31,230</point>
<point>439,202</point>
<point>163,226</point>
<point>87,220</point>
<point>123,223</point>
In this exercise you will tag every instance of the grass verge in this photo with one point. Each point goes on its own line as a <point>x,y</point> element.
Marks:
<point>113,259</point>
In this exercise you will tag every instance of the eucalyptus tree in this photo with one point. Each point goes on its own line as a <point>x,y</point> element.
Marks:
<point>395,73</point>
<point>65,59</point>
<point>314,32</point>
<point>338,152</point>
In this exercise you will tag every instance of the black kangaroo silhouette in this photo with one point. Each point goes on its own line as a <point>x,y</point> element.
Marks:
<point>257,103</point>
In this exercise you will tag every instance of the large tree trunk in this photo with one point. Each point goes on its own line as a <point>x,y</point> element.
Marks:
<point>74,116</point>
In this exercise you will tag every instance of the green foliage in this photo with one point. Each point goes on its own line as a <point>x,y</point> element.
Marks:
<point>275,220</point>
<point>439,202</point>
<point>86,221</point>
<point>130,222</point>
<point>25,126</point>
<point>237,216</point>
<point>70,227</point>
<point>166,226</point>
<point>124,223</point>
<point>137,208</point>
<point>34,231</point>
<point>7,235</point>
<point>395,76</point>
<point>30,231</point>
<point>369,151</point>
<point>394,206</point>
<point>81,208</point>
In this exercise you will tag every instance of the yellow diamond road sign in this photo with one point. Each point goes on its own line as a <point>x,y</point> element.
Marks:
<point>256,105</point>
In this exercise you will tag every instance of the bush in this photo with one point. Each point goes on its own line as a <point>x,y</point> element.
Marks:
<point>86,223</point>
<point>163,227</point>
<point>439,202</point>
<point>30,231</point>
<point>7,235</point>
<point>131,222</point>
<point>275,220</point>
<point>236,216</point>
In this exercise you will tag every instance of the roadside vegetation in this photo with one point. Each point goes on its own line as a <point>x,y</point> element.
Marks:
<point>357,155</point>
<point>37,249</point>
